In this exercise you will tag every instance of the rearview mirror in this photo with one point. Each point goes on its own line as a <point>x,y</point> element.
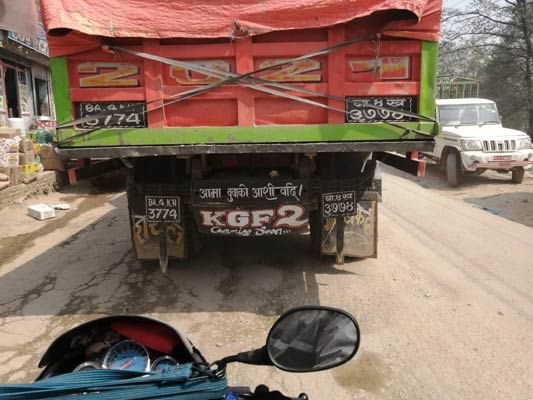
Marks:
<point>309,339</point>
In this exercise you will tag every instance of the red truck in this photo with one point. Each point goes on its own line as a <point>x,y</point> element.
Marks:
<point>246,118</point>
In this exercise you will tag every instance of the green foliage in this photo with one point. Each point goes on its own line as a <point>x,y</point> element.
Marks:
<point>502,80</point>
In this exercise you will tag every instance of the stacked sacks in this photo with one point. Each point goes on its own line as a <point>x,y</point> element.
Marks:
<point>18,159</point>
<point>27,161</point>
<point>9,155</point>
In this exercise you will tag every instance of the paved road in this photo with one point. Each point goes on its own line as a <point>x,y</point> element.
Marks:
<point>446,310</point>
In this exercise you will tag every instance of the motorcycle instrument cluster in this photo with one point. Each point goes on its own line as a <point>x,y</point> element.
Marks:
<point>120,347</point>
<point>128,355</point>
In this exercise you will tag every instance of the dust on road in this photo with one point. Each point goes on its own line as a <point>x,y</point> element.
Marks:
<point>11,246</point>
<point>492,192</point>
<point>445,311</point>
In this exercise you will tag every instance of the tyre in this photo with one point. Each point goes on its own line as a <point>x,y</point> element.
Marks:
<point>442,163</point>
<point>453,169</point>
<point>518,174</point>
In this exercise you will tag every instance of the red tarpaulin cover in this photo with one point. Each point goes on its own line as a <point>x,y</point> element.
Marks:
<point>418,19</point>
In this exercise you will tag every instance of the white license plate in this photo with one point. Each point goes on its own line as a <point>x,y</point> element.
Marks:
<point>162,208</point>
<point>339,204</point>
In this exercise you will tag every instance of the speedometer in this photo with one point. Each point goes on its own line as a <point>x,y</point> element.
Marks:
<point>163,364</point>
<point>127,355</point>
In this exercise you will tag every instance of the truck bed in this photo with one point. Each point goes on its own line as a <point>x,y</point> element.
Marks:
<point>133,99</point>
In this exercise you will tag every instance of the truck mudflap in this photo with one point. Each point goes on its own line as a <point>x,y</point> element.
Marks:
<point>351,236</point>
<point>160,225</point>
<point>347,222</point>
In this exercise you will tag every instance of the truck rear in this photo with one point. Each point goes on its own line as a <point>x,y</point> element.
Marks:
<point>247,119</point>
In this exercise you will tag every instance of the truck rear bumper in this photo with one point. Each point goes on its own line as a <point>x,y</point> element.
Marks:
<point>193,149</point>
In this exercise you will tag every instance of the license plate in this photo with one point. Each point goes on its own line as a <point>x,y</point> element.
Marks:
<point>339,204</point>
<point>111,114</point>
<point>357,113</point>
<point>162,208</point>
<point>503,158</point>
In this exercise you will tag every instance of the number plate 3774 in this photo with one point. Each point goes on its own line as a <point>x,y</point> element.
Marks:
<point>162,208</point>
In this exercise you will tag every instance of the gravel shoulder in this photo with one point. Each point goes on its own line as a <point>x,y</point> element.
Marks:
<point>492,192</point>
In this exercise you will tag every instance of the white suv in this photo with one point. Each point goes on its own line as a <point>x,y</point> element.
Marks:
<point>473,140</point>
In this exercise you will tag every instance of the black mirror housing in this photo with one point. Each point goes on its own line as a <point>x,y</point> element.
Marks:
<point>313,338</point>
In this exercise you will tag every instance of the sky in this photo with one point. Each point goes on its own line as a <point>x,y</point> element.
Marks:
<point>454,3</point>
<point>458,3</point>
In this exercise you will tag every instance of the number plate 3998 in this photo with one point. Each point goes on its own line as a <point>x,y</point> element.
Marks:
<point>162,208</point>
<point>339,204</point>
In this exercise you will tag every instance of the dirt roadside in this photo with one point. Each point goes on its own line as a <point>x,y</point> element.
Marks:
<point>492,192</point>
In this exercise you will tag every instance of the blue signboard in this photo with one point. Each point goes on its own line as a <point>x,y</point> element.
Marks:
<point>37,43</point>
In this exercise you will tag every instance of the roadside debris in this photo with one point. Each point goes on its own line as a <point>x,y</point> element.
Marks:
<point>41,212</point>
<point>61,206</point>
<point>494,211</point>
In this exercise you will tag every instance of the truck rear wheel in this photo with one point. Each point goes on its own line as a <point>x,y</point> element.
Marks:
<point>453,169</point>
<point>518,174</point>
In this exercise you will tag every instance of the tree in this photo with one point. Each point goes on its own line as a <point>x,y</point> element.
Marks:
<point>502,81</point>
<point>493,40</point>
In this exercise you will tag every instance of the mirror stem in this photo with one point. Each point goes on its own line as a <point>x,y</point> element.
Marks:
<point>255,357</point>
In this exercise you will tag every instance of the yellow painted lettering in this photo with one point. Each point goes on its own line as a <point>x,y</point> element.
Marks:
<point>185,76</point>
<point>297,71</point>
<point>115,75</point>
